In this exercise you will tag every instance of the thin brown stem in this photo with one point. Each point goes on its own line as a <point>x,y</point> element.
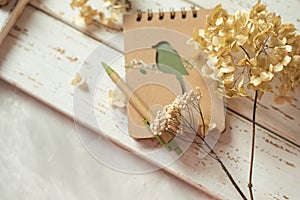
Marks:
<point>244,50</point>
<point>250,184</point>
<point>229,175</point>
<point>216,157</point>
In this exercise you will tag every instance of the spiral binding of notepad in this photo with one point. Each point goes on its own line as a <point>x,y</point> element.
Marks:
<point>161,14</point>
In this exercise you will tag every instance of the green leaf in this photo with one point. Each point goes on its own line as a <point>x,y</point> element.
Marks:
<point>143,71</point>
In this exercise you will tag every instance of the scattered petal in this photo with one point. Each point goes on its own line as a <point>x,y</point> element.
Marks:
<point>255,80</point>
<point>266,76</point>
<point>116,99</point>
<point>286,60</point>
<point>78,80</point>
<point>278,67</point>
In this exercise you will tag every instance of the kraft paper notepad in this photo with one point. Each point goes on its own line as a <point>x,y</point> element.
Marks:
<point>157,66</point>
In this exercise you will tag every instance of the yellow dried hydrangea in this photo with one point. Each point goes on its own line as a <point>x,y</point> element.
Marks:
<point>116,8</point>
<point>250,50</point>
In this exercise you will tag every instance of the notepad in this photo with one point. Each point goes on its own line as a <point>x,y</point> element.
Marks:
<point>158,68</point>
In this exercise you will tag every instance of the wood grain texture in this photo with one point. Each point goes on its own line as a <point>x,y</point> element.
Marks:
<point>44,68</point>
<point>282,120</point>
<point>46,41</point>
<point>9,15</point>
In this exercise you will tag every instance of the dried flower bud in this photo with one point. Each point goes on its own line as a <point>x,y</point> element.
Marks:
<point>177,116</point>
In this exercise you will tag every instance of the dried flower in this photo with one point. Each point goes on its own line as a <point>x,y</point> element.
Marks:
<point>250,50</point>
<point>116,99</point>
<point>78,80</point>
<point>115,7</point>
<point>181,116</point>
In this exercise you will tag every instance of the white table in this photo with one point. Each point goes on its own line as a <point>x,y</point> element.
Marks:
<point>41,156</point>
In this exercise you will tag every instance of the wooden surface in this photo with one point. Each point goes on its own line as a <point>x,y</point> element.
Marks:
<point>9,15</point>
<point>45,48</point>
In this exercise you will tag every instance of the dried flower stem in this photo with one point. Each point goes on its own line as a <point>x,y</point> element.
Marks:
<point>216,157</point>
<point>178,118</point>
<point>231,178</point>
<point>252,146</point>
<point>244,50</point>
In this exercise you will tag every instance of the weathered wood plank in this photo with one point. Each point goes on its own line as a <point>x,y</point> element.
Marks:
<point>48,46</point>
<point>280,119</point>
<point>9,15</point>
<point>287,9</point>
<point>62,11</point>
<point>44,69</point>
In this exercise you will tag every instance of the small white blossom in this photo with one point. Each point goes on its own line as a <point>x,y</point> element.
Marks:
<point>170,118</point>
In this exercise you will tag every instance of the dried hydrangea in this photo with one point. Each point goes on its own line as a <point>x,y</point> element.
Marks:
<point>250,50</point>
<point>115,7</point>
<point>180,117</point>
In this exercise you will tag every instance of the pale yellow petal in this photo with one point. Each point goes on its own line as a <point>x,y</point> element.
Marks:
<point>241,39</point>
<point>227,69</point>
<point>240,84</point>
<point>278,67</point>
<point>271,67</point>
<point>216,41</point>
<point>283,40</point>
<point>201,32</point>
<point>78,80</point>
<point>288,48</point>
<point>255,80</point>
<point>286,60</point>
<point>266,76</point>
<point>219,21</point>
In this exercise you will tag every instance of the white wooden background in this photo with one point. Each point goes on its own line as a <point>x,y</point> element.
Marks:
<point>45,48</point>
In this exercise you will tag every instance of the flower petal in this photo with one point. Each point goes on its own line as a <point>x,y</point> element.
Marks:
<point>288,48</point>
<point>241,39</point>
<point>255,80</point>
<point>266,76</point>
<point>286,60</point>
<point>227,69</point>
<point>278,67</point>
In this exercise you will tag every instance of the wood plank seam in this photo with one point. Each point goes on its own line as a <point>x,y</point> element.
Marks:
<point>262,126</point>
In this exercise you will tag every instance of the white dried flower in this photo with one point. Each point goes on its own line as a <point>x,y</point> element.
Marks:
<point>172,118</point>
